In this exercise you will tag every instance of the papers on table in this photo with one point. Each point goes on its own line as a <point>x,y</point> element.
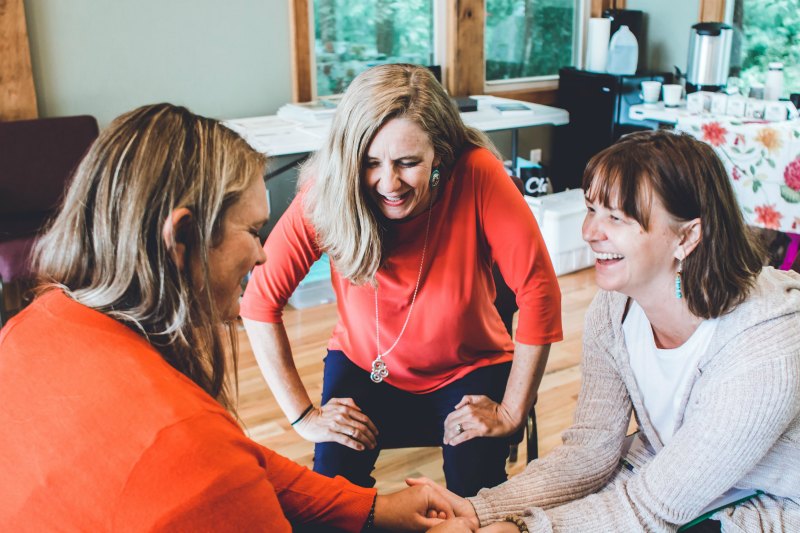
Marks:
<point>274,135</point>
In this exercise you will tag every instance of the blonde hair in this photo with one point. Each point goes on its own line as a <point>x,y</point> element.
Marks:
<point>347,227</point>
<point>105,248</point>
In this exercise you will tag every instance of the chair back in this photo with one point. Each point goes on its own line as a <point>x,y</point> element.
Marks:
<point>37,159</point>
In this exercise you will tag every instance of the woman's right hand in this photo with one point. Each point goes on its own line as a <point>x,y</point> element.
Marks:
<point>340,420</point>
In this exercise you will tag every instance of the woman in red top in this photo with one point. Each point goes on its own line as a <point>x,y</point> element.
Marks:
<point>114,389</point>
<point>413,209</point>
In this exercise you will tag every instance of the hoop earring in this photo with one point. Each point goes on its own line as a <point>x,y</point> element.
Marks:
<point>434,181</point>
<point>678,280</point>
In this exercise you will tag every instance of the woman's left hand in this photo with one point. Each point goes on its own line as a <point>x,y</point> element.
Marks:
<point>478,416</point>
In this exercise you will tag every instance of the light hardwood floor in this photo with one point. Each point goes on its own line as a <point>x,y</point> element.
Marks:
<point>308,331</point>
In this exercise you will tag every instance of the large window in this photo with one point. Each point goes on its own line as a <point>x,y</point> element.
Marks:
<point>353,35</point>
<point>766,31</point>
<point>529,38</point>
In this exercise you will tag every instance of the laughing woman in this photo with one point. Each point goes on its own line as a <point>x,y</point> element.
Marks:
<point>690,334</point>
<point>413,208</point>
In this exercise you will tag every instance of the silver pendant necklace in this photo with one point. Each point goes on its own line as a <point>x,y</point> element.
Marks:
<point>379,369</point>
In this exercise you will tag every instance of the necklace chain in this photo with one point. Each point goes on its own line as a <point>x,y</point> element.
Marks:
<point>379,369</point>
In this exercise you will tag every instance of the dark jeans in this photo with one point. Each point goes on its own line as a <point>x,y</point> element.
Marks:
<point>408,420</point>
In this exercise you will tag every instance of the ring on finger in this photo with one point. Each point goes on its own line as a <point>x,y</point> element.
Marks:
<point>459,429</point>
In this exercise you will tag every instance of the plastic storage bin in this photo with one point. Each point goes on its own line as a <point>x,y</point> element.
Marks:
<point>560,217</point>
<point>316,288</point>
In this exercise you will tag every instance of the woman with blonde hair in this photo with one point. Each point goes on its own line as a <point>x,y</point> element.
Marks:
<point>116,410</point>
<point>413,209</point>
<point>690,335</point>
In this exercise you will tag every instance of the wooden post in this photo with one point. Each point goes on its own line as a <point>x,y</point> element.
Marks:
<point>712,10</point>
<point>17,92</point>
<point>598,6</point>
<point>300,34</point>
<point>465,69</point>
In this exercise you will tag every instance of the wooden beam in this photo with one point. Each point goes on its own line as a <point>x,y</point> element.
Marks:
<point>300,34</point>
<point>712,10</point>
<point>465,70</point>
<point>598,6</point>
<point>17,92</point>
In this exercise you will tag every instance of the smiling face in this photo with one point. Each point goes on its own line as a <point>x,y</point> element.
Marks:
<point>636,262</point>
<point>239,249</point>
<point>397,169</point>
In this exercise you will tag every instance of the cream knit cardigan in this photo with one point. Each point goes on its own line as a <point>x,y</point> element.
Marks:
<point>740,427</point>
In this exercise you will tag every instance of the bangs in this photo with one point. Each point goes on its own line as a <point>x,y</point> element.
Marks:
<point>617,180</point>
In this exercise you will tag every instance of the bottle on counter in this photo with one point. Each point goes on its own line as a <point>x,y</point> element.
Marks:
<point>623,52</point>
<point>773,88</point>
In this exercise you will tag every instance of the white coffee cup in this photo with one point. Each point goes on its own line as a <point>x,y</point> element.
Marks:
<point>651,90</point>
<point>672,94</point>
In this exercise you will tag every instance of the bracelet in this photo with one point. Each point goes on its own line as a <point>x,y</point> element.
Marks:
<point>370,522</point>
<point>517,521</point>
<point>303,414</point>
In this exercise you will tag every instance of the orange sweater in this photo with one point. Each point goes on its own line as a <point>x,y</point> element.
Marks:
<point>100,434</point>
<point>479,218</point>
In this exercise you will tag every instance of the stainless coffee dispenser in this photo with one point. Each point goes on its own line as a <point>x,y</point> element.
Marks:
<point>709,57</point>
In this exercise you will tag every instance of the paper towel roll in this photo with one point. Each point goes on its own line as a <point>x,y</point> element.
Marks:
<point>597,44</point>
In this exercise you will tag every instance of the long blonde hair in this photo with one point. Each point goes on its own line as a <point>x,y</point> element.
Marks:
<point>347,227</point>
<point>105,248</point>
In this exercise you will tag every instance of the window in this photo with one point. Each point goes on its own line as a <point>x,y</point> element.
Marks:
<point>353,35</point>
<point>529,38</point>
<point>765,31</point>
<point>350,36</point>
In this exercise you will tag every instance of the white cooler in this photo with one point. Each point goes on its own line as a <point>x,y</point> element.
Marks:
<point>560,217</point>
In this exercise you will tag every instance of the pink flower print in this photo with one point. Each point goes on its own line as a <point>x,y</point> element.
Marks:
<point>791,175</point>
<point>736,174</point>
<point>714,134</point>
<point>768,217</point>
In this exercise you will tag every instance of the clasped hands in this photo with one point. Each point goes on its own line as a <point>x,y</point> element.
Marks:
<point>463,518</point>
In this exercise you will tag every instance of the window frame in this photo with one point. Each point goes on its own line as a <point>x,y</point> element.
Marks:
<point>463,44</point>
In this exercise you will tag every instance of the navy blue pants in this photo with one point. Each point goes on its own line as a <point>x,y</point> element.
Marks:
<point>408,420</point>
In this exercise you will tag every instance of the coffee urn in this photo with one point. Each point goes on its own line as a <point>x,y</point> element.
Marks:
<point>709,57</point>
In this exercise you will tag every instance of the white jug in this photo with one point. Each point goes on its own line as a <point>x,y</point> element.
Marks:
<point>623,52</point>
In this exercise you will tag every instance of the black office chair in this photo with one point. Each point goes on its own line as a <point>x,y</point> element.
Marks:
<point>506,304</point>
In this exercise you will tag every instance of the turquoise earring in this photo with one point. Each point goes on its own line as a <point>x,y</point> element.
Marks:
<point>678,283</point>
<point>435,176</point>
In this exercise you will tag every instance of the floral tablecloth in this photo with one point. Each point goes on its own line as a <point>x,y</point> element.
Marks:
<point>763,161</point>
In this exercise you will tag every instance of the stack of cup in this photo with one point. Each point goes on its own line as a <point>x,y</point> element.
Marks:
<point>597,44</point>
<point>672,94</point>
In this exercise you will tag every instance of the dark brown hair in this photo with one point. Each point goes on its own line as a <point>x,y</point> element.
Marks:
<point>691,182</point>
<point>105,248</point>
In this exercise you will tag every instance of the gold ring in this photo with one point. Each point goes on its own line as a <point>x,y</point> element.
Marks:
<point>459,429</point>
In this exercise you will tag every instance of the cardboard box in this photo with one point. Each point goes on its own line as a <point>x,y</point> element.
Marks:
<point>560,218</point>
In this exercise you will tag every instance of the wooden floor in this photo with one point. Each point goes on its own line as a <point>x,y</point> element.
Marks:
<point>309,330</point>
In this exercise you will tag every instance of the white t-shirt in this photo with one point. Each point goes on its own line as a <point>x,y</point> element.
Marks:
<point>663,376</point>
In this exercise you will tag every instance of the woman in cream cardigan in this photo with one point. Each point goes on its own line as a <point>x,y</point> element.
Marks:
<point>690,334</point>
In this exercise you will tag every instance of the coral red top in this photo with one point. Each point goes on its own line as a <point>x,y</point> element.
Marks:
<point>101,434</point>
<point>479,218</point>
